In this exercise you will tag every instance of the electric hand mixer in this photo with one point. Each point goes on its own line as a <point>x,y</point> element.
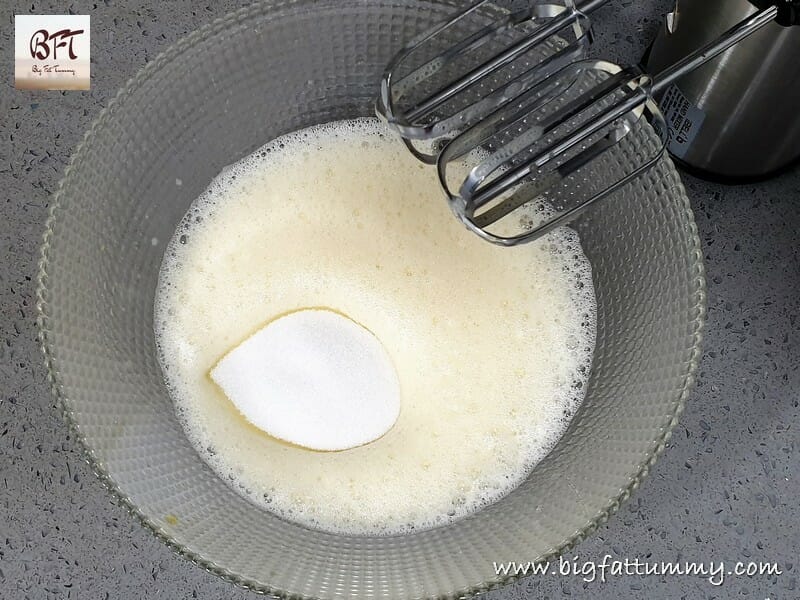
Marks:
<point>513,115</point>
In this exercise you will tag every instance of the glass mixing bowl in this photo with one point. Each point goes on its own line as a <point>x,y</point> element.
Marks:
<point>216,96</point>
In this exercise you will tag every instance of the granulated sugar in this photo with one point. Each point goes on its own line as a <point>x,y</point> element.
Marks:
<point>313,378</point>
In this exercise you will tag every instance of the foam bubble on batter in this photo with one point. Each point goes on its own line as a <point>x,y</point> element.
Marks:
<point>492,345</point>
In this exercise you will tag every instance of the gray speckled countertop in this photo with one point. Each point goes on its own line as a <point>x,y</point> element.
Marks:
<point>726,490</point>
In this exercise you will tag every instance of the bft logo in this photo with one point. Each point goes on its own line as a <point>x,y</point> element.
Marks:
<point>44,43</point>
<point>51,52</point>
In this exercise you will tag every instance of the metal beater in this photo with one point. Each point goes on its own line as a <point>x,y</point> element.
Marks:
<point>523,135</point>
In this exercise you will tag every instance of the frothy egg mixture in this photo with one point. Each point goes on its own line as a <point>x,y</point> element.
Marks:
<point>491,346</point>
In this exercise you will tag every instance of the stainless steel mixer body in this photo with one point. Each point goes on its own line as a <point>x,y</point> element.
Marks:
<point>737,116</point>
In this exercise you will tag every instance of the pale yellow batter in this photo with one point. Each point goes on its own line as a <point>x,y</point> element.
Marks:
<point>488,343</point>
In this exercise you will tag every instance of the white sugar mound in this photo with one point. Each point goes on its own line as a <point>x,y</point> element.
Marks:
<point>313,378</point>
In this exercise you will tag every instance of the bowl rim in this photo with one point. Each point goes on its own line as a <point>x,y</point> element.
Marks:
<point>67,411</point>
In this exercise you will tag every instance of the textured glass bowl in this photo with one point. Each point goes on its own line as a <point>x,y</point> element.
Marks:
<point>216,96</point>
